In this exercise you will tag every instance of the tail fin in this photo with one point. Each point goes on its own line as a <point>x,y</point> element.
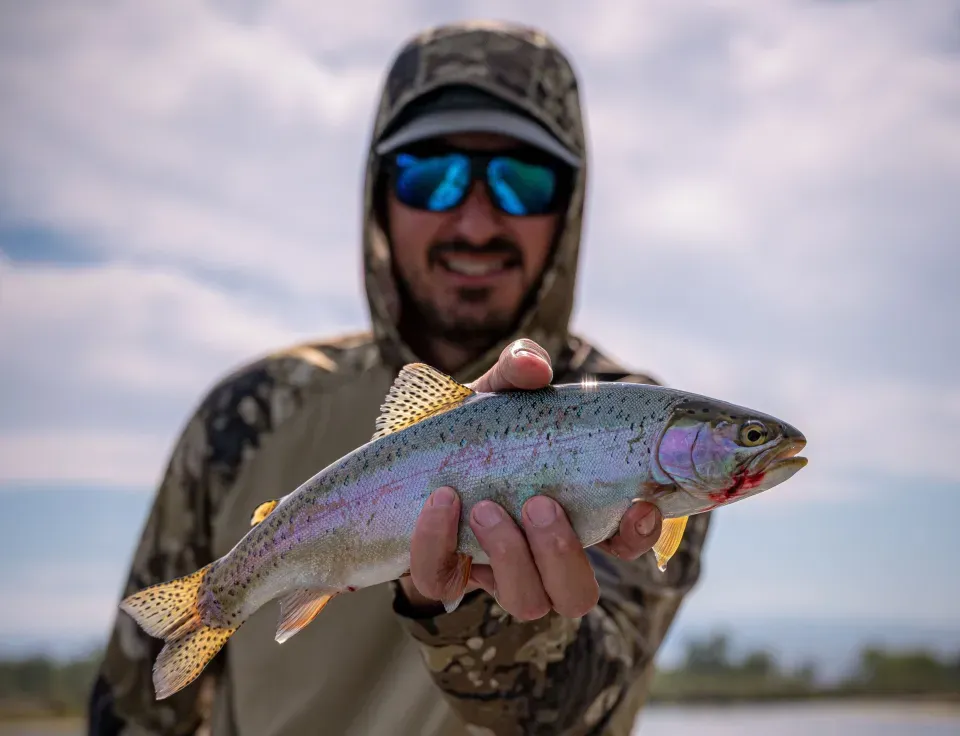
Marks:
<point>169,611</point>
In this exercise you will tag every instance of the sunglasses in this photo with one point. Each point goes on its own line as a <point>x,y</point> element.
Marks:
<point>441,181</point>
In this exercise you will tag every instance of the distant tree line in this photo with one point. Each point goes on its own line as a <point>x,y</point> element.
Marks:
<point>38,685</point>
<point>709,671</point>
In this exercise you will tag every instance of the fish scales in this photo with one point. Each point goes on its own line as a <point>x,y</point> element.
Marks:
<point>585,449</point>
<point>594,447</point>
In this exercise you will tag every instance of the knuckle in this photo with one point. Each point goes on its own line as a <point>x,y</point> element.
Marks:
<point>564,545</point>
<point>532,610</point>
<point>499,547</point>
<point>427,585</point>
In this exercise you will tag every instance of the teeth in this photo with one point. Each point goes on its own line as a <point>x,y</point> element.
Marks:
<point>470,267</point>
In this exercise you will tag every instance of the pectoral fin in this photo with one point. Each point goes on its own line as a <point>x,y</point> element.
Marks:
<point>670,537</point>
<point>464,565</point>
<point>418,392</point>
<point>298,609</point>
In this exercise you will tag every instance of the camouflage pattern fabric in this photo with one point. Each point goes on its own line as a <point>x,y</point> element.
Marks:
<point>495,674</point>
<point>557,675</point>
<point>525,68</point>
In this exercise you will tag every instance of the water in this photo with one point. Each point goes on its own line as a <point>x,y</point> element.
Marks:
<point>842,719</point>
<point>820,719</point>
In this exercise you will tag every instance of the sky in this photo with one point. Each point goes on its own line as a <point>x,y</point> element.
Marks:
<point>771,220</point>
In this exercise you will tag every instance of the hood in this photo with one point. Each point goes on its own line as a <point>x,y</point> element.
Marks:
<point>525,68</point>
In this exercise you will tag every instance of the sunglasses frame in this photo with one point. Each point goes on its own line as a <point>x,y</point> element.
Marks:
<point>479,171</point>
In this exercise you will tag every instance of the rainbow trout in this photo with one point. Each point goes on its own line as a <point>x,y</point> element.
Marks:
<point>594,447</point>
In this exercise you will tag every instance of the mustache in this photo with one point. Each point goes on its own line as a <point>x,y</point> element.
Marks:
<point>493,247</point>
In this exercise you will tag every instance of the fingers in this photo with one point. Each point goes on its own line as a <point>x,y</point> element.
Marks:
<point>639,530</point>
<point>532,570</point>
<point>564,567</point>
<point>522,365</point>
<point>435,568</point>
<point>516,586</point>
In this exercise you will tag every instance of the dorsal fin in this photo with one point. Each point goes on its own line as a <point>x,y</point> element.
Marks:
<point>263,511</point>
<point>418,392</point>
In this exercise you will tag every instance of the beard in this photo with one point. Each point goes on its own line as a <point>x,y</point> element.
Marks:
<point>452,325</point>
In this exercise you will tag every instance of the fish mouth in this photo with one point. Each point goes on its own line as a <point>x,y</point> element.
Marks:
<point>791,449</point>
<point>782,462</point>
<point>786,452</point>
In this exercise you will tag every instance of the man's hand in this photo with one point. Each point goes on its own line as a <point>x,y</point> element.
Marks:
<point>534,569</point>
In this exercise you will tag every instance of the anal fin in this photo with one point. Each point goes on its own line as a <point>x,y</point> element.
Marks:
<point>670,537</point>
<point>299,608</point>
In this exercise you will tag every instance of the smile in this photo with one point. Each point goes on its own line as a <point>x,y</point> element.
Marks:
<point>467,266</point>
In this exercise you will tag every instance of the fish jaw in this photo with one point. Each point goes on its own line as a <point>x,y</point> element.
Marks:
<point>718,452</point>
<point>766,472</point>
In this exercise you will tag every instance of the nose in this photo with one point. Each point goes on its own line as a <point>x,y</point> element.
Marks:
<point>793,438</point>
<point>478,221</point>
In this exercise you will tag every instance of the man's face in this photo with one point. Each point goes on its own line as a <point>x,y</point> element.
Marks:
<point>469,269</point>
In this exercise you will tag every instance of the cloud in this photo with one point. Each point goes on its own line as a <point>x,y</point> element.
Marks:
<point>771,220</point>
<point>202,142</point>
<point>102,364</point>
<point>120,459</point>
<point>768,214</point>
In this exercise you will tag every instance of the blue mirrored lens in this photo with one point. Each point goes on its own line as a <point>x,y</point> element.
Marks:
<point>436,183</point>
<point>521,188</point>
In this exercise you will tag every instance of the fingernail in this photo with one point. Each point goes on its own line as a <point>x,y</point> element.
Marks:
<point>442,497</point>
<point>520,349</point>
<point>487,514</point>
<point>646,524</point>
<point>541,511</point>
<point>523,352</point>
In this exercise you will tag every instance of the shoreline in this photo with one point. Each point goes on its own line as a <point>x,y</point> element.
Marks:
<point>946,704</point>
<point>720,698</point>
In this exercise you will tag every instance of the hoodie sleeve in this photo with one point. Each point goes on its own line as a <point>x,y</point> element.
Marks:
<point>175,541</point>
<point>555,675</point>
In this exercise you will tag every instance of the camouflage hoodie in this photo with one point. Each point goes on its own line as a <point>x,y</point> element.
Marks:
<point>369,665</point>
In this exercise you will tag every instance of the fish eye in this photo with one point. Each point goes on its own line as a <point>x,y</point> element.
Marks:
<point>753,433</point>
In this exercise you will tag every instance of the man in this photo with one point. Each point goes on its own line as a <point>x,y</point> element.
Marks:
<point>473,204</point>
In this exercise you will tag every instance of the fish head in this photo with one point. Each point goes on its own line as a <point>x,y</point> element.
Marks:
<point>720,453</point>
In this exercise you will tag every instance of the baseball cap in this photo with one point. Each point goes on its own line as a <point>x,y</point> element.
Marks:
<point>465,109</point>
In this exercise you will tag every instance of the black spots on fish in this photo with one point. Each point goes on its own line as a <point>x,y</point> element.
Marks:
<point>463,442</point>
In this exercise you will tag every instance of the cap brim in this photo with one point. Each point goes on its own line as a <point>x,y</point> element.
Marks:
<point>449,122</point>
